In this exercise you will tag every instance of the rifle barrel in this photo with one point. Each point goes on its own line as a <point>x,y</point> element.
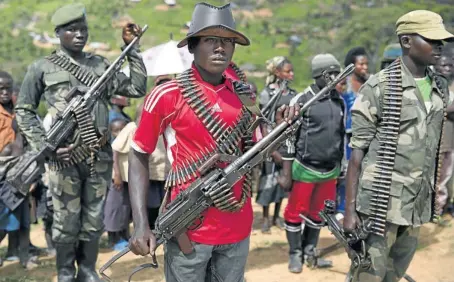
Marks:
<point>107,73</point>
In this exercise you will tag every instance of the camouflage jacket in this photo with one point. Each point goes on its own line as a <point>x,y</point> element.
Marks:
<point>420,129</point>
<point>47,81</point>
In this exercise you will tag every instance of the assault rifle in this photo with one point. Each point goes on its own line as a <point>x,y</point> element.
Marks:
<point>354,243</point>
<point>267,110</point>
<point>26,172</point>
<point>185,212</point>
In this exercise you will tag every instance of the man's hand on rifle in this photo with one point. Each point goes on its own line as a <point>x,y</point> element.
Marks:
<point>352,222</point>
<point>142,241</point>
<point>287,113</point>
<point>64,154</point>
<point>130,31</point>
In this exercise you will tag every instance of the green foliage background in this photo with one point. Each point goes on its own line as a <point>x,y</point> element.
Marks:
<point>324,26</point>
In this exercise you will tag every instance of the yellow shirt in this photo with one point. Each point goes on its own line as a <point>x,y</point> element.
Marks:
<point>158,164</point>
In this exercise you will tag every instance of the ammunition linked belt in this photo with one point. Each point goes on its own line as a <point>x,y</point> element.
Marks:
<point>91,142</point>
<point>88,150</point>
<point>227,140</point>
<point>388,138</point>
<point>78,155</point>
<point>239,72</point>
<point>436,208</point>
<point>83,75</point>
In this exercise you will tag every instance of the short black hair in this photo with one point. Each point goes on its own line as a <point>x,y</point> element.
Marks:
<point>353,54</point>
<point>6,75</point>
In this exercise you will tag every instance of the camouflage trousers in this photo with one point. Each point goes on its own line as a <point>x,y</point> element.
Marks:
<point>78,201</point>
<point>390,256</point>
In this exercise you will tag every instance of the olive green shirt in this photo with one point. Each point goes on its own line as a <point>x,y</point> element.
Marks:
<point>48,82</point>
<point>420,128</point>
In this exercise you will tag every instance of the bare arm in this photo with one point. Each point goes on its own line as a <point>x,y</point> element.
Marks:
<point>138,186</point>
<point>118,181</point>
<point>143,241</point>
<point>353,172</point>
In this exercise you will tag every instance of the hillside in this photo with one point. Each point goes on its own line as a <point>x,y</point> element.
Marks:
<point>320,26</point>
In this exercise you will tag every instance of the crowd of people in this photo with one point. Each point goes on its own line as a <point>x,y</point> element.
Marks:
<point>187,117</point>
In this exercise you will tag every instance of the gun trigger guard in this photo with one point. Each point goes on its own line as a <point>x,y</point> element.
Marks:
<point>311,223</point>
<point>196,224</point>
<point>258,121</point>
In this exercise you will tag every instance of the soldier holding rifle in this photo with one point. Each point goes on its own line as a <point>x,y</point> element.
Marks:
<point>393,173</point>
<point>78,194</point>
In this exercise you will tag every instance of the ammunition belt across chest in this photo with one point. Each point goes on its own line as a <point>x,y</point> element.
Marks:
<point>91,142</point>
<point>227,139</point>
<point>388,138</point>
<point>83,75</point>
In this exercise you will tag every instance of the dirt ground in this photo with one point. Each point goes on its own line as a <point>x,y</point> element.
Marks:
<point>267,260</point>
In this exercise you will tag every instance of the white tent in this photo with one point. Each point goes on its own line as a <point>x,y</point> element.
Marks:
<point>165,59</point>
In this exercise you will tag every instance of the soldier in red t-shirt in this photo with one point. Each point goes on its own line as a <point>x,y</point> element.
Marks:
<point>192,125</point>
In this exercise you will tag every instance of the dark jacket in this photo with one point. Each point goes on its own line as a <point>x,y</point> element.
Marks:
<point>319,141</point>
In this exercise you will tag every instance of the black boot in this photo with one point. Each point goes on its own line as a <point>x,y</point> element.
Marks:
<point>12,252</point>
<point>311,255</point>
<point>295,253</point>
<point>87,254</point>
<point>66,257</point>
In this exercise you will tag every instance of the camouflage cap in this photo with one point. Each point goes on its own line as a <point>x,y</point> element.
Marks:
<point>425,23</point>
<point>68,13</point>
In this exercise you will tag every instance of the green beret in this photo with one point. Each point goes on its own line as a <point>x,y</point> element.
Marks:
<point>68,13</point>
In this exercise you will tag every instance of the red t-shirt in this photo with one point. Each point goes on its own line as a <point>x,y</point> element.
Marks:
<point>166,112</point>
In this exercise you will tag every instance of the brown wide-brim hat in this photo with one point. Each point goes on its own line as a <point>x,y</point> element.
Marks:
<point>209,20</point>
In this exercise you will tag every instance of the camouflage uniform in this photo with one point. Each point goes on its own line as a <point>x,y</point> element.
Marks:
<point>410,203</point>
<point>78,199</point>
<point>413,177</point>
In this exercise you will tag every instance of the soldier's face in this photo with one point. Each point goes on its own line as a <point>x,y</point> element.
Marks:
<point>361,66</point>
<point>6,90</point>
<point>73,36</point>
<point>445,66</point>
<point>425,51</point>
<point>214,54</point>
